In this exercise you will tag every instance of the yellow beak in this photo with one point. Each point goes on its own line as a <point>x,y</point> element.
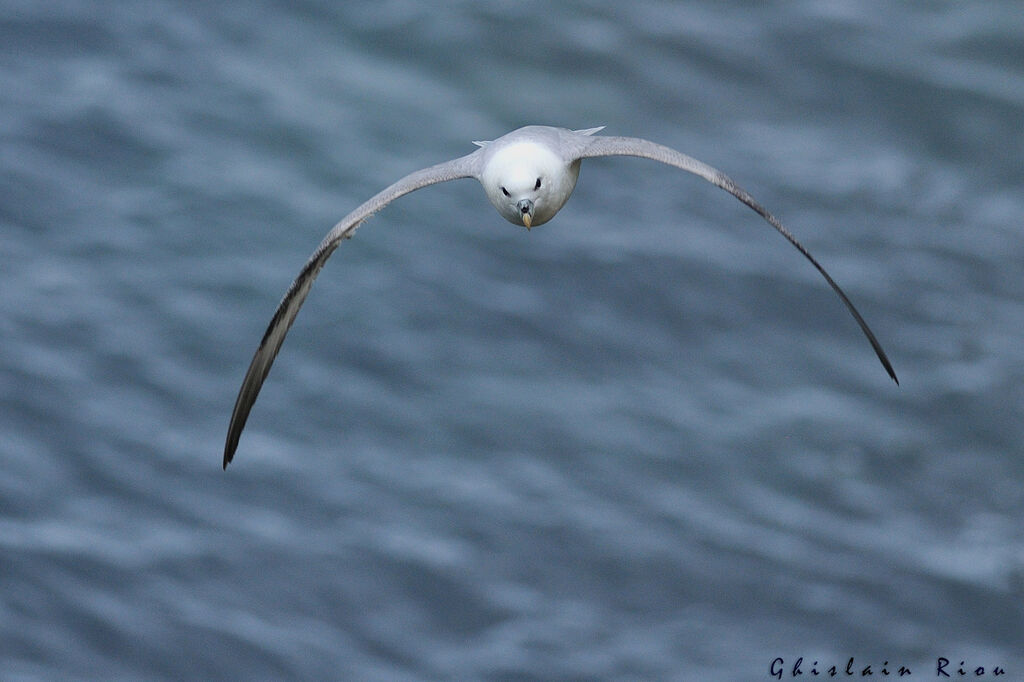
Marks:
<point>527,220</point>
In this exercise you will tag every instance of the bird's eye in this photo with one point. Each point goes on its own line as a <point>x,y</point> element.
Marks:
<point>505,192</point>
<point>537,186</point>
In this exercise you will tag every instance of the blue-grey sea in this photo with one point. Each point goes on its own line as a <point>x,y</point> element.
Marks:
<point>644,441</point>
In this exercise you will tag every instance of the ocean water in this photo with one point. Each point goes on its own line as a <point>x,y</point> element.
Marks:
<point>642,441</point>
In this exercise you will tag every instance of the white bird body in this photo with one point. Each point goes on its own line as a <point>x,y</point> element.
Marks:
<point>528,175</point>
<point>520,171</point>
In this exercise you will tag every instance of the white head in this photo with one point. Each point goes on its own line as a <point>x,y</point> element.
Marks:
<point>527,182</point>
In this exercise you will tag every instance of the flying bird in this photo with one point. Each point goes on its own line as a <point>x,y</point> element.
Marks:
<point>528,175</point>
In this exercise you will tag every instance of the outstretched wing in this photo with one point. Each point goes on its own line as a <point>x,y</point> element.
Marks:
<point>462,167</point>
<point>634,146</point>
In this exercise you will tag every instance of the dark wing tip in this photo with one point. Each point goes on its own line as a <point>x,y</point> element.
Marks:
<point>726,183</point>
<point>882,357</point>
<point>270,345</point>
<point>254,377</point>
<point>246,397</point>
<point>230,447</point>
<point>889,369</point>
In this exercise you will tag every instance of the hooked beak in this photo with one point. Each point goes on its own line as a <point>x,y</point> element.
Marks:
<point>525,207</point>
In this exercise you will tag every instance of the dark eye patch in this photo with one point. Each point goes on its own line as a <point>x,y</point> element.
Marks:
<point>505,192</point>
<point>537,186</point>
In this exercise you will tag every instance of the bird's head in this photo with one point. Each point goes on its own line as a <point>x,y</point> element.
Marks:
<point>528,183</point>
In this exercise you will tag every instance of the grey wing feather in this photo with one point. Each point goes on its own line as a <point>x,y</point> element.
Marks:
<point>462,167</point>
<point>634,146</point>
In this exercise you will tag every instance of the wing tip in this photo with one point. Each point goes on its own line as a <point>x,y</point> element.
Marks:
<point>238,419</point>
<point>229,452</point>
<point>892,374</point>
<point>882,357</point>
